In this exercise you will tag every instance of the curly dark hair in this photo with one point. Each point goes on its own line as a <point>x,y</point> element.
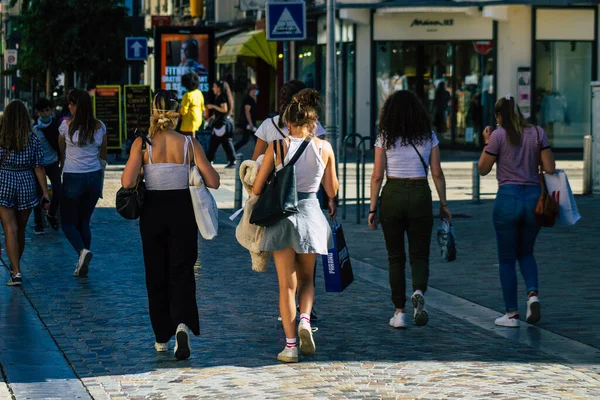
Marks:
<point>190,81</point>
<point>303,110</point>
<point>286,93</point>
<point>404,117</point>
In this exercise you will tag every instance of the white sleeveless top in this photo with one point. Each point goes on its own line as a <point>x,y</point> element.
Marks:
<point>168,176</point>
<point>309,167</point>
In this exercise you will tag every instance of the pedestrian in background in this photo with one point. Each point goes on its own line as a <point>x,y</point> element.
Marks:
<point>222,134</point>
<point>274,128</point>
<point>21,166</point>
<point>405,149</point>
<point>82,146</point>
<point>247,118</point>
<point>47,131</point>
<point>296,240</point>
<point>514,148</point>
<point>167,223</point>
<point>192,105</point>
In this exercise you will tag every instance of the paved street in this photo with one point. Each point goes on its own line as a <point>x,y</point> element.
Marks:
<point>95,340</point>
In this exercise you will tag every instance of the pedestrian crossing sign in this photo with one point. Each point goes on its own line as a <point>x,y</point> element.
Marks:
<point>286,20</point>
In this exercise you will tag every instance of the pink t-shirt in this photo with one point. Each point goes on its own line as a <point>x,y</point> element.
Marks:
<point>517,165</point>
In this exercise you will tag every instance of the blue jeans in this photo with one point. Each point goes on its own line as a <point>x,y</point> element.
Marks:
<point>516,231</point>
<point>80,193</point>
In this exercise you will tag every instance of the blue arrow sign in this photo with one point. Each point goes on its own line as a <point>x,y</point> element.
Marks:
<point>286,20</point>
<point>136,48</point>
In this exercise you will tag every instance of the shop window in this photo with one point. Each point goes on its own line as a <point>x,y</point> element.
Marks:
<point>306,65</point>
<point>562,102</point>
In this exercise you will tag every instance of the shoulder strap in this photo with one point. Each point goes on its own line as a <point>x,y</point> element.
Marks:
<point>539,152</point>
<point>278,130</point>
<point>186,146</point>
<point>144,141</point>
<point>300,150</point>
<point>420,158</point>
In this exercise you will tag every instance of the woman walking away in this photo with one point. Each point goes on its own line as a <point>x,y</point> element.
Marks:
<point>296,240</point>
<point>222,125</point>
<point>514,148</point>
<point>21,160</point>
<point>192,105</point>
<point>274,128</point>
<point>82,144</point>
<point>405,149</point>
<point>167,224</point>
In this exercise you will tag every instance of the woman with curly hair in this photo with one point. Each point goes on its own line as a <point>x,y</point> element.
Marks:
<point>21,164</point>
<point>167,224</point>
<point>405,149</point>
<point>296,240</point>
<point>83,144</point>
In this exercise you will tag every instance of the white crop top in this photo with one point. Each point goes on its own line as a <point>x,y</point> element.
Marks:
<point>79,160</point>
<point>309,167</point>
<point>404,162</point>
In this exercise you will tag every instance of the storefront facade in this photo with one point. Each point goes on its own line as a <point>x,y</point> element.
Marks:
<point>460,60</point>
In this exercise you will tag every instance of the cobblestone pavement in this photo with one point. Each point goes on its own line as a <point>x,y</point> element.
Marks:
<point>102,327</point>
<point>568,263</point>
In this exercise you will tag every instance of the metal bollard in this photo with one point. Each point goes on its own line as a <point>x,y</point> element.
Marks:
<point>587,164</point>
<point>237,200</point>
<point>475,184</point>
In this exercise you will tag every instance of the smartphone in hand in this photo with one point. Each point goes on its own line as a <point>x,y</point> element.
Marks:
<point>45,203</point>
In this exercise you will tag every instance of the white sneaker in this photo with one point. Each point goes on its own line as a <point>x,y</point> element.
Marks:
<point>307,343</point>
<point>533,310</point>
<point>510,321</point>
<point>83,264</point>
<point>398,320</point>
<point>182,342</point>
<point>288,355</point>
<point>421,316</point>
<point>161,347</point>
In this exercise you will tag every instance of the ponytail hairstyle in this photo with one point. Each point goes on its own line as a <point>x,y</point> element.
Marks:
<point>511,119</point>
<point>83,120</point>
<point>164,112</point>
<point>303,110</point>
<point>226,91</point>
<point>286,93</point>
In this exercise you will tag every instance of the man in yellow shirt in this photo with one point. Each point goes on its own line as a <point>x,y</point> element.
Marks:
<point>192,105</point>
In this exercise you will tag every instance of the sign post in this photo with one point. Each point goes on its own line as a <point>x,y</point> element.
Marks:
<point>286,21</point>
<point>136,48</point>
<point>107,108</point>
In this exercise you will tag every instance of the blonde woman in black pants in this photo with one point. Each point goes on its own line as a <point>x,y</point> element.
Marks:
<point>405,149</point>
<point>167,223</point>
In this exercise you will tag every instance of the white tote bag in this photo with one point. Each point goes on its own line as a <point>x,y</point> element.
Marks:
<point>205,206</point>
<point>558,186</point>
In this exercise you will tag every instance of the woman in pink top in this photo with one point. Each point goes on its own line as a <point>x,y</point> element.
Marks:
<point>514,149</point>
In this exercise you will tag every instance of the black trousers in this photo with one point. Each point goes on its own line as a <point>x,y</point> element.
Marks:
<point>170,244</point>
<point>226,141</point>
<point>406,208</point>
<point>54,174</point>
<point>246,135</point>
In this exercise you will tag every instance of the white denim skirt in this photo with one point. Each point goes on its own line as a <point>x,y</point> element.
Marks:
<point>306,232</point>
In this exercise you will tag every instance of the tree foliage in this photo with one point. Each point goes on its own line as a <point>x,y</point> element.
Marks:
<point>86,36</point>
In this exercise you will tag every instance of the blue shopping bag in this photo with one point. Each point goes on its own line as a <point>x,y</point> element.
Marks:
<point>336,264</point>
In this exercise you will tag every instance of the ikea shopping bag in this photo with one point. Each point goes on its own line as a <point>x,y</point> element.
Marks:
<point>558,187</point>
<point>336,264</point>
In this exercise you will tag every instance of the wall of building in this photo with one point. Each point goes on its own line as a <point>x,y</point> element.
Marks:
<point>514,48</point>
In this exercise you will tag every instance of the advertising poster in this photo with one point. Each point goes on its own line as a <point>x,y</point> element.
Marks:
<point>107,108</point>
<point>524,91</point>
<point>181,50</point>
<point>138,106</point>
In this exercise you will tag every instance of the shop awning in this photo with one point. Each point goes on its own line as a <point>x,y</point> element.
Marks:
<point>248,44</point>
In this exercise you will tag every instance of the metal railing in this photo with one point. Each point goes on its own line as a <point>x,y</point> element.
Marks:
<point>360,183</point>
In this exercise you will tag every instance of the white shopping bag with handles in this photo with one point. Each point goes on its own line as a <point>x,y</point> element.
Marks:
<point>558,186</point>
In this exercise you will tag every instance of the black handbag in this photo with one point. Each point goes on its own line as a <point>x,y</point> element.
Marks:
<point>129,202</point>
<point>280,197</point>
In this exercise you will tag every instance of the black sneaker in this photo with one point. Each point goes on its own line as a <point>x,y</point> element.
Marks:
<point>14,280</point>
<point>38,229</point>
<point>230,164</point>
<point>52,221</point>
